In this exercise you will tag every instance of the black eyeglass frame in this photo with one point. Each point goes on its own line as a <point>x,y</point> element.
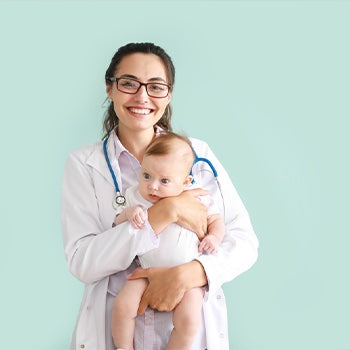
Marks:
<point>114,79</point>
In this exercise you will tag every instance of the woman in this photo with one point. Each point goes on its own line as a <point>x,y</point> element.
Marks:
<point>139,83</point>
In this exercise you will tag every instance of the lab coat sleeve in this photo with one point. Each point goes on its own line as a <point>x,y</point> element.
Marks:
<point>93,252</point>
<point>238,250</point>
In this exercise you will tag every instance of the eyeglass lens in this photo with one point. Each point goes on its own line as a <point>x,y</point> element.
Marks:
<point>131,86</point>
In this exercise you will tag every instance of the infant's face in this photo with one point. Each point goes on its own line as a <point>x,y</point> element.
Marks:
<point>162,176</point>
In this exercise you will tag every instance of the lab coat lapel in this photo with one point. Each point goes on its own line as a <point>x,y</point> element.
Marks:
<point>98,162</point>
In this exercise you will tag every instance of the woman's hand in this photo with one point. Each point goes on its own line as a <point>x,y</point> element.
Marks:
<point>185,210</point>
<point>164,290</point>
<point>190,212</point>
<point>167,286</point>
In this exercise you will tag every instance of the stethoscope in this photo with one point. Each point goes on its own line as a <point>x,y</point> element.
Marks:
<point>120,200</point>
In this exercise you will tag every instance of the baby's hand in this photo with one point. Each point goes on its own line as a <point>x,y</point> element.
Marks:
<point>209,244</point>
<point>136,215</point>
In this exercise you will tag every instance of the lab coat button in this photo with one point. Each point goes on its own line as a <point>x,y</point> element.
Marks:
<point>222,335</point>
<point>218,296</point>
<point>82,346</point>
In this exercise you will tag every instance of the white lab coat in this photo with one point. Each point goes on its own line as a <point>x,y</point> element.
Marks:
<point>94,250</point>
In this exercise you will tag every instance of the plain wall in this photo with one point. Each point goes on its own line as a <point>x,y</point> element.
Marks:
<point>265,83</point>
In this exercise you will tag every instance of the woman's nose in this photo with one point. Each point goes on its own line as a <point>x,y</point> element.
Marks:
<point>142,93</point>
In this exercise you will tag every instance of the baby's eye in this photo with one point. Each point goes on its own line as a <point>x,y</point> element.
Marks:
<point>165,181</point>
<point>146,176</point>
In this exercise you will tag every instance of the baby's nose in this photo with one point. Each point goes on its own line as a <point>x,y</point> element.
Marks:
<point>153,185</point>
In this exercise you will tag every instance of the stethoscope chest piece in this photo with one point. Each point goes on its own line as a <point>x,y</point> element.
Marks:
<point>118,201</point>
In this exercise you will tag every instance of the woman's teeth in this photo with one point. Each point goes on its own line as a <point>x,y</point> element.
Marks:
<point>140,110</point>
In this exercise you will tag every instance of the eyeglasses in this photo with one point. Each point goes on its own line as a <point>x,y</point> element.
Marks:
<point>132,86</point>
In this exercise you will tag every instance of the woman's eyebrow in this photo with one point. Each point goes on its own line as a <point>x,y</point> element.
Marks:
<point>136,78</point>
<point>128,76</point>
<point>157,79</point>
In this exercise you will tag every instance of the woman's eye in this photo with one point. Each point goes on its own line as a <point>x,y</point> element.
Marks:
<point>146,176</point>
<point>165,181</point>
<point>128,83</point>
<point>156,87</point>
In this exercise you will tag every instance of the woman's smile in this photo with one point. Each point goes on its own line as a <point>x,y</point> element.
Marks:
<point>139,111</point>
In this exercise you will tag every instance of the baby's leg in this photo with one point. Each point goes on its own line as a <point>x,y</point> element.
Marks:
<point>124,312</point>
<point>186,319</point>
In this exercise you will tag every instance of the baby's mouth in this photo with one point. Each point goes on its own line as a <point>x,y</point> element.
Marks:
<point>154,196</point>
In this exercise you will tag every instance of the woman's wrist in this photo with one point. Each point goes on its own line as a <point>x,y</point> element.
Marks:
<point>162,214</point>
<point>169,205</point>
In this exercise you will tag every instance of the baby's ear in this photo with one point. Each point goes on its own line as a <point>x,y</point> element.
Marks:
<point>188,180</point>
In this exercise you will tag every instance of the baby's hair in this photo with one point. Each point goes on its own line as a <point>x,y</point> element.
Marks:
<point>167,143</point>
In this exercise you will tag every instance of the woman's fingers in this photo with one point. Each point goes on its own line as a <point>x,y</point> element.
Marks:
<point>164,290</point>
<point>191,213</point>
<point>198,192</point>
<point>139,272</point>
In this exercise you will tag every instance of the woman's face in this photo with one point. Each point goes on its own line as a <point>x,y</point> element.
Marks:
<point>138,112</point>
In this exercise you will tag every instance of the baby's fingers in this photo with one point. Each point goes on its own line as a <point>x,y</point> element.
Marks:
<point>143,216</point>
<point>134,224</point>
<point>202,246</point>
<point>139,218</point>
<point>207,245</point>
<point>210,250</point>
<point>137,226</point>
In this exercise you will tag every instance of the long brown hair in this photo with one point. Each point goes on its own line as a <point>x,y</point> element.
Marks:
<point>111,119</point>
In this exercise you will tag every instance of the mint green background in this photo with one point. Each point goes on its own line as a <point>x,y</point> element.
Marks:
<point>266,83</point>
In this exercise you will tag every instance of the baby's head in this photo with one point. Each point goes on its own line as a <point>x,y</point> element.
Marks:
<point>165,167</point>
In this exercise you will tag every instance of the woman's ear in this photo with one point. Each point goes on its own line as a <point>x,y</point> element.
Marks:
<point>169,97</point>
<point>109,91</point>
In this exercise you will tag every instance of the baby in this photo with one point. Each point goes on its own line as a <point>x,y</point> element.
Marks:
<point>164,172</point>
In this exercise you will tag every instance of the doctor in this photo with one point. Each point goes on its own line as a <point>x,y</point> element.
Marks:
<point>139,83</point>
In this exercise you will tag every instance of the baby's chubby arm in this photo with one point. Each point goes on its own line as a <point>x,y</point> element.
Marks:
<point>136,215</point>
<point>216,231</point>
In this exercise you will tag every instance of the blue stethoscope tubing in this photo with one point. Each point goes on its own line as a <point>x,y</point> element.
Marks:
<point>110,165</point>
<point>205,160</point>
<point>120,199</point>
